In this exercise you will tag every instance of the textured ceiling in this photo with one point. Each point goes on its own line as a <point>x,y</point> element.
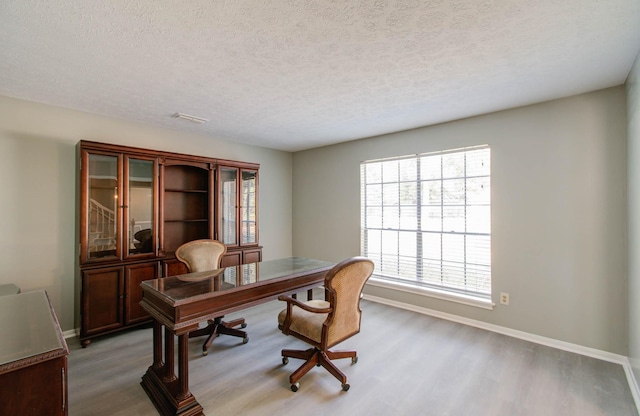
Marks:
<point>298,74</point>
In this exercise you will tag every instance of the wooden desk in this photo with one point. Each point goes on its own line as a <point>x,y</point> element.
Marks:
<point>180,303</point>
<point>33,357</point>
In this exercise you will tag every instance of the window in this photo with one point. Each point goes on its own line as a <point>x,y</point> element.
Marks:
<point>426,220</point>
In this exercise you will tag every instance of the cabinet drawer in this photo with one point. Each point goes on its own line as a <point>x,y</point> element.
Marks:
<point>252,256</point>
<point>232,259</point>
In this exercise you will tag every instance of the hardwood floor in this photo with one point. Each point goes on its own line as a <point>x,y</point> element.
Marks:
<point>408,364</point>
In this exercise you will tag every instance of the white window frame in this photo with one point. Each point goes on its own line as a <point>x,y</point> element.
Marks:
<point>428,229</point>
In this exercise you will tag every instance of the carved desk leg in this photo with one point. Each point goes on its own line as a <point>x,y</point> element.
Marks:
<point>169,374</point>
<point>186,404</point>
<point>157,346</point>
<point>183,366</point>
<point>168,393</point>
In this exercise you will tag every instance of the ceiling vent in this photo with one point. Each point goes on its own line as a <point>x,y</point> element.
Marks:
<point>193,119</point>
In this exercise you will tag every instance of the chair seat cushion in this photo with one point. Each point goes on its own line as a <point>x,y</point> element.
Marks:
<point>306,323</point>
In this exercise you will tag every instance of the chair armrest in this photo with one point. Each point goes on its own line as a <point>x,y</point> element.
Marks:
<point>291,302</point>
<point>302,305</point>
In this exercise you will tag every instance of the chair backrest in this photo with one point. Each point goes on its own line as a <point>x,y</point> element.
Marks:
<point>201,255</point>
<point>344,284</point>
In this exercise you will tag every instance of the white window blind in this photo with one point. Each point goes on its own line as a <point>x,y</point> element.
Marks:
<point>426,219</point>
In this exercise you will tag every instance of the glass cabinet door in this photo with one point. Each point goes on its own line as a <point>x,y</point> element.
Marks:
<point>228,183</point>
<point>102,206</point>
<point>139,213</point>
<point>248,207</point>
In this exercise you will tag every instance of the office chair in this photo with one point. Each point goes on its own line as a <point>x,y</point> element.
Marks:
<point>325,323</point>
<point>203,255</point>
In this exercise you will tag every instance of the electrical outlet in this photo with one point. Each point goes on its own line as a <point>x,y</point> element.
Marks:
<point>504,298</point>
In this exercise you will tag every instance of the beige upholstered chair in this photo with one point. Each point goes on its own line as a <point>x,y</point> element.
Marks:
<point>324,324</point>
<point>203,255</point>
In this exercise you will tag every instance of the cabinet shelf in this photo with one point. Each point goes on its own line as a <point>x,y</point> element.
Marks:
<point>187,206</point>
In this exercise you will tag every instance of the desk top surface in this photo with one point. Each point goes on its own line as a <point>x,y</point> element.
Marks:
<point>29,328</point>
<point>209,283</point>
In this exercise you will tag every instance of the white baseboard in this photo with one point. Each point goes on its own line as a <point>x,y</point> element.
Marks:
<point>70,333</point>
<point>549,342</point>
<point>633,383</point>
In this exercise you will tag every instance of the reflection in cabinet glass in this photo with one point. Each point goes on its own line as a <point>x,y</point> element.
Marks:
<point>248,202</point>
<point>140,204</point>
<point>228,184</point>
<point>102,206</point>
<point>242,274</point>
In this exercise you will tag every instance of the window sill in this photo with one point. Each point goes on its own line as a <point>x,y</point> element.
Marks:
<point>433,293</point>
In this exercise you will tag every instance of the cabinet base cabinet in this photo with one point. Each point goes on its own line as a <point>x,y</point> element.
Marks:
<point>134,275</point>
<point>111,296</point>
<point>101,309</point>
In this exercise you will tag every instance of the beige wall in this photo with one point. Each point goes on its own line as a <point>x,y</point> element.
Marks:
<point>37,179</point>
<point>633,122</point>
<point>558,213</point>
<point>558,189</point>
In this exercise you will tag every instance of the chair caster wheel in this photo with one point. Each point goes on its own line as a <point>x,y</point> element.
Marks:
<point>245,340</point>
<point>354,360</point>
<point>285,361</point>
<point>295,387</point>
<point>345,386</point>
<point>243,325</point>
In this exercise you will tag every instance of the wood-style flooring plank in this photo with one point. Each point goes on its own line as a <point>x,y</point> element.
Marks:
<point>408,364</point>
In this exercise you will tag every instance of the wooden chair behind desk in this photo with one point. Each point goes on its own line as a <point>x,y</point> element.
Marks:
<point>323,324</point>
<point>200,256</point>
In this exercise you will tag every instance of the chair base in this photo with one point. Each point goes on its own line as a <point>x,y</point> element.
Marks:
<point>316,357</point>
<point>220,327</point>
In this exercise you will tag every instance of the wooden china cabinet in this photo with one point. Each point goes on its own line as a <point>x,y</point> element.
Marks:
<point>136,207</point>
